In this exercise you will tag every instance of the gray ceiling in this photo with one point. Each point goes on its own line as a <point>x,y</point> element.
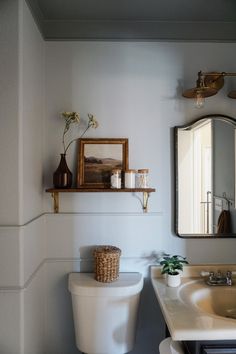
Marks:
<point>203,20</point>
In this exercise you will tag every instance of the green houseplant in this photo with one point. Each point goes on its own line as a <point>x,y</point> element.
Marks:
<point>172,265</point>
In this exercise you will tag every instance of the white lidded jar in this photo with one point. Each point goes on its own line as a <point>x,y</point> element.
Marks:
<point>116,178</point>
<point>142,178</point>
<point>130,178</point>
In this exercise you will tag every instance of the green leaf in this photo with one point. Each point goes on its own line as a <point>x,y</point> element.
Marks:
<point>171,264</point>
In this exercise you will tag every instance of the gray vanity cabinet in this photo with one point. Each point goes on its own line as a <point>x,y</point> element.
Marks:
<point>210,347</point>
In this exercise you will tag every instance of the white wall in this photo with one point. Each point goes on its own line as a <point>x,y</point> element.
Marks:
<point>9,188</point>
<point>31,116</point>
<point>22,114</point>
<point>21,135</point>
<point>134,89</point>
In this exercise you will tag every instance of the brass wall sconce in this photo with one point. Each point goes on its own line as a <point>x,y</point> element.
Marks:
<point>207,85</point>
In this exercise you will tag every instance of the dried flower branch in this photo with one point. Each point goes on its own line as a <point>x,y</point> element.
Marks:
<point>74,118</point>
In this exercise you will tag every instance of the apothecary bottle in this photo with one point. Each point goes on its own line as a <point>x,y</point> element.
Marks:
<point>116,178</point>
<point>130,178</point>
<point>142,179</point>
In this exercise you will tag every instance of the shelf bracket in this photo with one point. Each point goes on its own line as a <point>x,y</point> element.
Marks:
<point>55,196</point>
<point>145,201</point>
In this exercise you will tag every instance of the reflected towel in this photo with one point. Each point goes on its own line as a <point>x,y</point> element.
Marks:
<point>224,223</point>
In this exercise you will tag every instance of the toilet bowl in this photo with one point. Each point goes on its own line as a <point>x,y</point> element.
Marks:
<point>105,314</point>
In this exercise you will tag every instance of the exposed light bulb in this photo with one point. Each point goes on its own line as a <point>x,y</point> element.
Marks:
<point>200,100</point>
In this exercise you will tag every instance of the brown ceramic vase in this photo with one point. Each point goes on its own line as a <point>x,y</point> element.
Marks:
<point>62,177</point>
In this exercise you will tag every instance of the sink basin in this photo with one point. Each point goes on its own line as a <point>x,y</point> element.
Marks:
<point>195,310</point>
<point>220,301</point>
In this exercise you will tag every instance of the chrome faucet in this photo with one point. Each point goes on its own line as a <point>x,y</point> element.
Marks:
<point>219,278</point>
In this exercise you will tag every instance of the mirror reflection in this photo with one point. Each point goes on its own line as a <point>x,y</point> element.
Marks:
<point>205,177</point>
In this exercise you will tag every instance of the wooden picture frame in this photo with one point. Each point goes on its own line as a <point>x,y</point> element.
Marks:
<point>97,158</point>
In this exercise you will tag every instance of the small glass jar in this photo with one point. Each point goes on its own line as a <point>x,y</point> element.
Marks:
<point>142,179</point>
<point>130,178</point>
<point>116,178</point>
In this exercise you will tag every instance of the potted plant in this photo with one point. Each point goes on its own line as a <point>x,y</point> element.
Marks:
<point>172,265</point>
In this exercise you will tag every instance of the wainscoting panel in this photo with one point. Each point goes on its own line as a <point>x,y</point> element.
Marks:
<point>33,237</point>
<point>21,252</point>
<point>76,235</point>
<point>10,322</point>
<point>10,266</point>
<point>35,260</point>
<point>33,314</point>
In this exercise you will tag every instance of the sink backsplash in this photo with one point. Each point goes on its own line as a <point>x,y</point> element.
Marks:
<point>195,270</point>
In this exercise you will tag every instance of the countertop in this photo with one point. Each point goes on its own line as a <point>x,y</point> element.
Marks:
<point>184,321</point>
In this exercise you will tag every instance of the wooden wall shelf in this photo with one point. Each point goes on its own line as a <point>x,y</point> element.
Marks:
<point>55,193</point>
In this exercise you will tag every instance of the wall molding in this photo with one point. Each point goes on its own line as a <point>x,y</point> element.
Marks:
<point>139,30</point>
<point>53,237</point>
<point>126,214</point>
<point>148,260</point>
<point>27,283</point>
<point>22,225</point>
<point>105,213</point>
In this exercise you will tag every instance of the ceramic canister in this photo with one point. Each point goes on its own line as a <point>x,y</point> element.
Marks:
<point>130,178</point>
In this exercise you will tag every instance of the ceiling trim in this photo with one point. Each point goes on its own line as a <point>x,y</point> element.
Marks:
<point>138,30</point>
<point>37,14</point>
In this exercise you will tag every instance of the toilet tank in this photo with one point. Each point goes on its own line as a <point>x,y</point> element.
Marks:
<point>105,314</point>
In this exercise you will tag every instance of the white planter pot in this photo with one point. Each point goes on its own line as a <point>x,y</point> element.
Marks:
<point>173,280</point>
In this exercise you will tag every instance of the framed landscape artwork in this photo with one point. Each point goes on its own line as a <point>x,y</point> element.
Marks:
<point>97,158</point>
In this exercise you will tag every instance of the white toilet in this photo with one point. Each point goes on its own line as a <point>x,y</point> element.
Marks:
<point>105,314</point>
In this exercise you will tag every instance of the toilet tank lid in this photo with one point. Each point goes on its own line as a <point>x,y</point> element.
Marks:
<point>84,284</point>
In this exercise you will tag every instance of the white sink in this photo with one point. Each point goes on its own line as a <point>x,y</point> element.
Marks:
<point>215,300</point>
<point>195,310</point>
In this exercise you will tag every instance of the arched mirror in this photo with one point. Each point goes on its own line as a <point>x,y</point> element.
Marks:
<point>205,177</point>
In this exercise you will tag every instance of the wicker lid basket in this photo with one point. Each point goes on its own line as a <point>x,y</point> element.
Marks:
<point>107,263</point>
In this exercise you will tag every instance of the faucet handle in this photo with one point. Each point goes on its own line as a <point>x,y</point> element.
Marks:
<point>229,277</point>
<point>207,274</point>
<point>211,275</point>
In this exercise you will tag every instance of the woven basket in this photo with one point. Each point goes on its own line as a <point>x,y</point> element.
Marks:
<point>107,262</point>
